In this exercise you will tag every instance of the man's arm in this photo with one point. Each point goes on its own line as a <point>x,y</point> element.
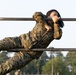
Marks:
<point>57,31</point>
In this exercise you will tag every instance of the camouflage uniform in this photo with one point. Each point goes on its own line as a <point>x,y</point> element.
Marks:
<point>37,38</point>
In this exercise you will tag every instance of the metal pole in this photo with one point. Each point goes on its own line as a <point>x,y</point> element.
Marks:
<point>52,62</point>
<point>30,19</point>
<point>46,49</point>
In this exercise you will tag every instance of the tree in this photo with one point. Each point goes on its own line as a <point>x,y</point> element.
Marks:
<point>36,65</point>
<point>59,67</point>
<point>41,61</point>
<point>55,53</point>
<point>70,60</point>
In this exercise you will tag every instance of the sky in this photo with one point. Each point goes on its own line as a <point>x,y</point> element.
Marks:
<point>26,8</point>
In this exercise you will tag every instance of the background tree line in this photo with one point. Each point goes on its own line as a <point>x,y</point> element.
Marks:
<point>55,64</point>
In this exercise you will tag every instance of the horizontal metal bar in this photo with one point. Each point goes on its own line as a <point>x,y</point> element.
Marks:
<point>47,49</point>
<point>30,19</point>
<point>69,19</point>
<point>15,19</point>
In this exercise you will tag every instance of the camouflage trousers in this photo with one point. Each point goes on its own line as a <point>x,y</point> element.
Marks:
<point>19,60</point>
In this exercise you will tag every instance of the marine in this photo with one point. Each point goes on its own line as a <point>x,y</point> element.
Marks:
<point>41,36</point>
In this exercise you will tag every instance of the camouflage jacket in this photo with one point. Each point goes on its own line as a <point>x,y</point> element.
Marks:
<point>38,37</point>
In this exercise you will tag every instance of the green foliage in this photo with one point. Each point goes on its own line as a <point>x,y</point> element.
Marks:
<point>35,66</point>
<point>44,56</point>
<point>31,68</point>
<point>58,66</point>
<point>71,60</point>
<point>58,54</point>
<point>42,65</point>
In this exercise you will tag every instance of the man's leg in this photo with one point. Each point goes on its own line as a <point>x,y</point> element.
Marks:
<point>9,43</point>
<point>19,60</point>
